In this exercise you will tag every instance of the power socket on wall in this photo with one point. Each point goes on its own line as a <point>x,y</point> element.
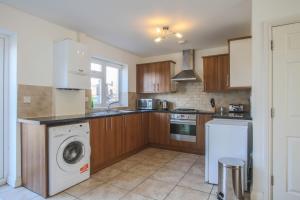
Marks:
<point>27,99</point>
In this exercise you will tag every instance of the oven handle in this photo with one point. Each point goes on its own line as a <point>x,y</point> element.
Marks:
<point>188,122</point>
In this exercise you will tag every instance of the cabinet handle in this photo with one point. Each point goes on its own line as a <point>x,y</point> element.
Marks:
<point>157,86</point>
<point>154,88</point>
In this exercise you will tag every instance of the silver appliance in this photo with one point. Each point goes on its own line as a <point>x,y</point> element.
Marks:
<point>183,125</point>
<point>165,105</point>
<point>236,108</point>
<point>147,104</point>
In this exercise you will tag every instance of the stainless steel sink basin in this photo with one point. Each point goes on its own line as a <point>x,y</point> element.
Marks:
<point>110,112</point>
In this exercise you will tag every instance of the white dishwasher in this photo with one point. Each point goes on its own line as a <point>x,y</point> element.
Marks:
<point>227,138</point>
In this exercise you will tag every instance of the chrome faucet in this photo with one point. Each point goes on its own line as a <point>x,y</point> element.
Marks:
<point>108,105</point>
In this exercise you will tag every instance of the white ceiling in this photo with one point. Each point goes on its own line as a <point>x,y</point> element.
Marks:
<point>130,24</point>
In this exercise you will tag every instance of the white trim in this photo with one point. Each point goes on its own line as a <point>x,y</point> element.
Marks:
<point>5,103</point>
<point>267,153</point>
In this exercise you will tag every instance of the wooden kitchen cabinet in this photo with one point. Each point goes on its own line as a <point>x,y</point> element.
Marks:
<point>216,73</point>
<point>106,141</point>
<point>155,77</point>
<point>133,136</point>
<point>159,129</point>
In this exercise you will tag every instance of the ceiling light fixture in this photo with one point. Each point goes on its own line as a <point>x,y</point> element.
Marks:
<point>164,33</point>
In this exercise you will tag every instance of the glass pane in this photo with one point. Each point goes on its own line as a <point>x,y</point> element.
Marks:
<point>95,67</point>
<point>112,83</point>
<point>73,152</point>
<point>96,91</point>
<point>183,129</point>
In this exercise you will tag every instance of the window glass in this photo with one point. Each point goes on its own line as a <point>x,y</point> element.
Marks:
<point>112,83</point>
<point>95,67</point>
<point>96,91</point>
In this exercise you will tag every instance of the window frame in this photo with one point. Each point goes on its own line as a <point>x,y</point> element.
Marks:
<point>102,75</point>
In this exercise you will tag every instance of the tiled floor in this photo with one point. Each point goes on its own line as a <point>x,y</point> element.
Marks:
<point>152,174</point>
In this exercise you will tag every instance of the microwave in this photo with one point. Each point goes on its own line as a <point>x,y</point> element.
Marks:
<point>147,104</point>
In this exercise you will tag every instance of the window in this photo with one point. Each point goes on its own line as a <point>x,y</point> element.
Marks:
<point>105,82</point>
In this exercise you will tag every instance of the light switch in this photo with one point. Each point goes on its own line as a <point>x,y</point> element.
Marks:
<point>27,99</point>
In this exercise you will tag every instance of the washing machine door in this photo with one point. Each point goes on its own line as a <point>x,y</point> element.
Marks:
<point>73,154</point>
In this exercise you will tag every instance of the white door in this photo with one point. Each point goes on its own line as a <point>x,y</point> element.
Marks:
<point>1,110</point>
<point>286,103</point>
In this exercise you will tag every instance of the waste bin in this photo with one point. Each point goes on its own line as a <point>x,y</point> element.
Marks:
<point>231,179</point>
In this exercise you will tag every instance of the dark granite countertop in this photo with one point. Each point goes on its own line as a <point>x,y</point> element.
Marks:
<point>57,120</point>
<point>240,116</point>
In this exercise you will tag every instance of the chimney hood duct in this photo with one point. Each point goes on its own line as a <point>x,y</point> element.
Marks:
<point>188,67</point>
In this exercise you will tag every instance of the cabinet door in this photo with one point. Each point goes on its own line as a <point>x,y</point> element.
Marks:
<point>159,128</point>
<point>114,136</point>
<point>216,73</point>
<point>211,74</point>
<point>145,127</point>
<point>240,63</point>
<point>97,140</point>
<point>132,136</point>
<point>154,127</point>
<point>200,143</point>
<point>140,86</point>
<point>164,129</point>
<point>163,82</point>
<point>223,69</point>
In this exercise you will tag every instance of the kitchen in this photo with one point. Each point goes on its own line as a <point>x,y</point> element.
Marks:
<point>163,102</point>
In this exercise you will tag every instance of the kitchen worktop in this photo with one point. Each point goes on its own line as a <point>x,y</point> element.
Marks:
<point>57,120</point>
<point>239,116</point>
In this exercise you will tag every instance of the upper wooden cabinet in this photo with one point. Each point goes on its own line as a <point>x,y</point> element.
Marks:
<point>216,73</point>
<point>240,63</point>
<point>155,77</point>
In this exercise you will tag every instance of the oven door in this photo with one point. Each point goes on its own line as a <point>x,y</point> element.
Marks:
<point>183,130</point>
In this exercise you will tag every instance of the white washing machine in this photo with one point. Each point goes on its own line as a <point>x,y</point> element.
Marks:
<point>69,156</point>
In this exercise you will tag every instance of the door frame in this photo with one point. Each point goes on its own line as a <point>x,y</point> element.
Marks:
<point>268,139</point>
<point>6,110</point>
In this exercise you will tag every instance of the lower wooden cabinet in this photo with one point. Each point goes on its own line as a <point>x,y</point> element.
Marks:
<point>106,143</point>
<point>113,138</point>
<point>133,134</point>
<point>159,128</point>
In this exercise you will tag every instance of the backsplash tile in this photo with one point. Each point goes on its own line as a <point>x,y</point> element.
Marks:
<point>41,101</point>
<point>191,95</point>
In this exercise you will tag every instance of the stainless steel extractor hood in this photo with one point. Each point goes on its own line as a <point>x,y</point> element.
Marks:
<point>188,67</point>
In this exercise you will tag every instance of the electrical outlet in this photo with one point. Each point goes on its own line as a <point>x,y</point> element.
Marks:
<point>27,99</point>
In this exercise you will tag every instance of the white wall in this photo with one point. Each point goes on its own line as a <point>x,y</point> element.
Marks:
<point>35,47</point>
<point>264,11</point>
<point>35,39</point>
<point>177,57</point>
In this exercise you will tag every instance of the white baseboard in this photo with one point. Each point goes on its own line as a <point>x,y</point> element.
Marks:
<point>14,181</point>
<point>257,195</point>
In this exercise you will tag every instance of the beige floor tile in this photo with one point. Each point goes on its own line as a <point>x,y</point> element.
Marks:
<point>61,196</point>
<point>179,165</point>
<point>168,175</point>
<point>214,190</point>
<point>212,197</point>
<point>155,162</point>
<point>125,165</point>
<point>128,180</point>
<point>197,169</point>
<point>195,182</point>
<point>5,188</point>
<point>143,170</point>
<point>138,157</point>
<point>84,187</point>
<point>134,196</point>
<point>105,192</point>
<point>150,151</point>
<point>187,156</point>
<point>154,189</point>
<point>18,194</point>
<point>182,193</point>
<point>107,174</point>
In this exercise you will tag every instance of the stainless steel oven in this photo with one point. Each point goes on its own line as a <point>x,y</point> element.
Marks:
<point>183,127</point>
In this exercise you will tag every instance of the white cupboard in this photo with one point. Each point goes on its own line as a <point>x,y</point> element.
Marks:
<point>240,63</point>
<point>71,65</point>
